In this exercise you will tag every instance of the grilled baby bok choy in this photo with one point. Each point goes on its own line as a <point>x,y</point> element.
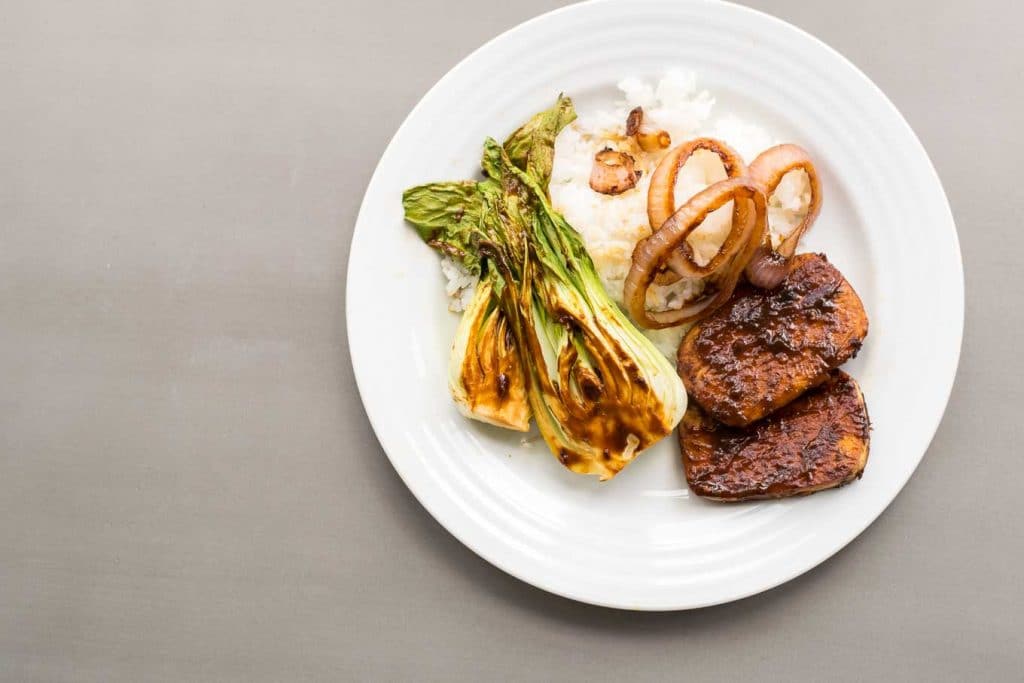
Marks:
<point>541,336</point>
<point>485,376</point>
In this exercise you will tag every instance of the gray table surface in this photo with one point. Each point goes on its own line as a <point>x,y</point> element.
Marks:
<point>189,488</point>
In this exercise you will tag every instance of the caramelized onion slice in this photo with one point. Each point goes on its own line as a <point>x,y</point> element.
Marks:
<point>633,121</point>
<point>650,139</point>
<point>723,271</point>
<point>767,269</point>
<point>661,196</point>
<point>769,266</point>
<point>613,172</point>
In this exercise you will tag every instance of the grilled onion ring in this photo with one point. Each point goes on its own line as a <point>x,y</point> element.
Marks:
<point>725,267</point>
<point>769,266</point>
<point>661,194</point>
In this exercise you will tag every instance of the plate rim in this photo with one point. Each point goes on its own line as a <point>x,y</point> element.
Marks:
<point>541,582</point>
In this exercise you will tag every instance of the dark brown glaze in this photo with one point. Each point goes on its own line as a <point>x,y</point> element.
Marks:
<point>818,441</point>
<point>492,374</point>
<point>764,348</point>
<point>602,411</point>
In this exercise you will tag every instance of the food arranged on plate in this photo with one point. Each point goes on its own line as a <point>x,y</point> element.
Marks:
<point>594,249</point>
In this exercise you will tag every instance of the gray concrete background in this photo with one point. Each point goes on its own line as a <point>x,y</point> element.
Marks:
<point>189,488</point>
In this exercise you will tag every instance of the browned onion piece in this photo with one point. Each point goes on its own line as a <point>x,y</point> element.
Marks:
<point>681,259</point>
<point>633,121</point>
<point>661,196</point>
<point>724,269</point>
<point>769,266</point>
<point>613,172</point>
<point>649,139</point>
<point>767,269</point>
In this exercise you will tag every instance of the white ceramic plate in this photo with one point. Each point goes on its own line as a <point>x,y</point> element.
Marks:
<point>642,541</point>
